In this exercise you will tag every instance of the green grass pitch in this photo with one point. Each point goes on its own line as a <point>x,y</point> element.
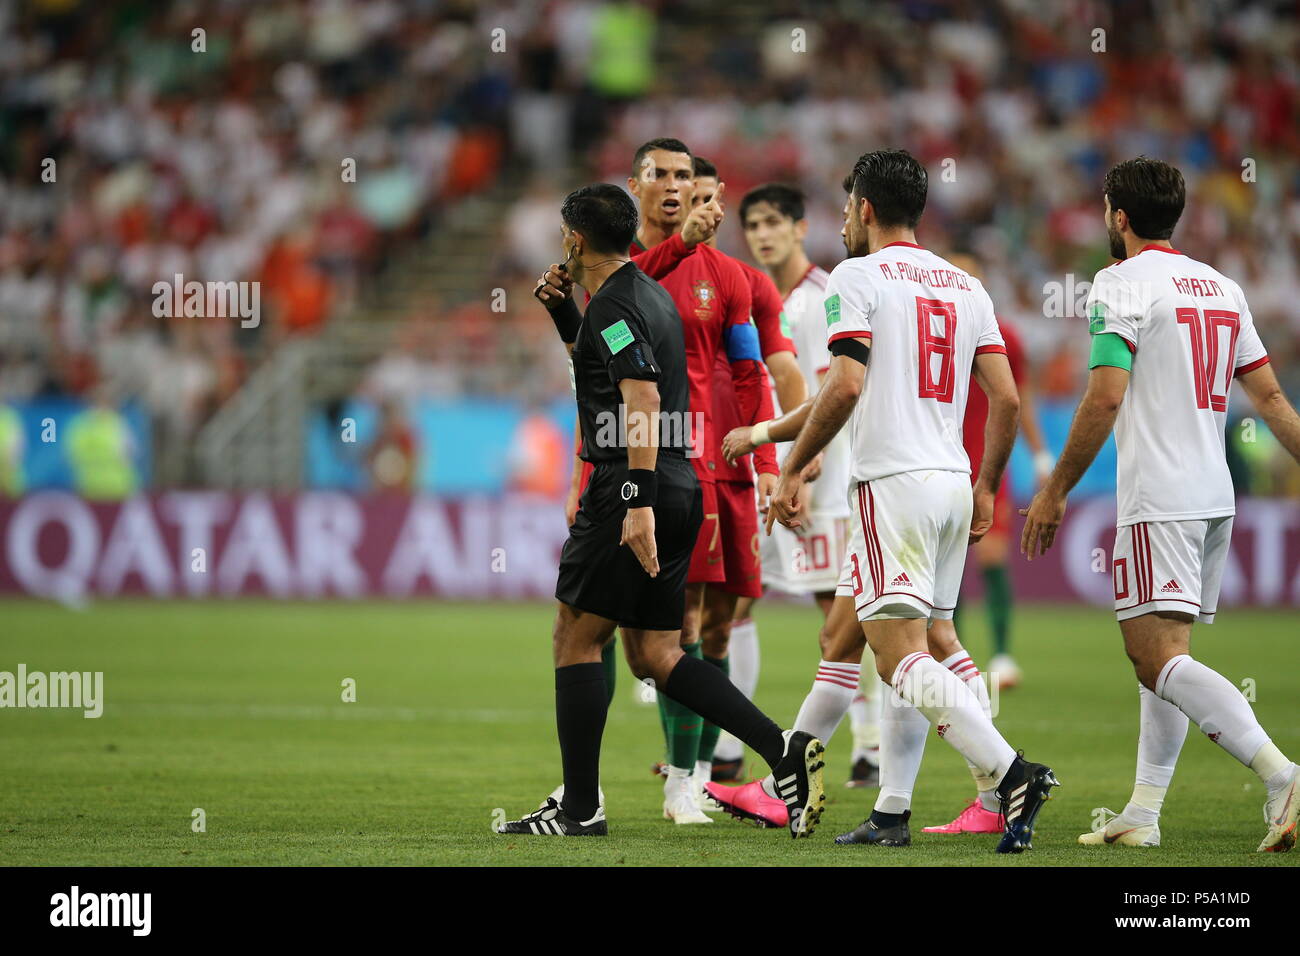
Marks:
<point>235,708</point>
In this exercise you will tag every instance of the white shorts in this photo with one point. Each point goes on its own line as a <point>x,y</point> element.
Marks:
<point>907,550</point>
<point>1170,566</point>
<point>807,561</point>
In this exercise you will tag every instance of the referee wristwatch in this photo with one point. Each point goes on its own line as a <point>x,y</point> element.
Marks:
<point>641,488</point>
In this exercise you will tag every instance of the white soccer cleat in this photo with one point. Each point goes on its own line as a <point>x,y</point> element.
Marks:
<point>1005,671</point>
<point>1119,830</point>
<point>703,800</point>
<point>1281,812</point>
<point>679,801</point>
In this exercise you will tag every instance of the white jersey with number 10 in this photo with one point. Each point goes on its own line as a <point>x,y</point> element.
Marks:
<point>926,321</point>
<point>1190,333</point>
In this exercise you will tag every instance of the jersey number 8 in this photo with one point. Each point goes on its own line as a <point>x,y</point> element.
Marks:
<point>935,349</point>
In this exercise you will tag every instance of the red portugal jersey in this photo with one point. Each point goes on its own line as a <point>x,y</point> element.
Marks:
<point>712,294</point>
<point>727,412</point>
<point>977,403</point>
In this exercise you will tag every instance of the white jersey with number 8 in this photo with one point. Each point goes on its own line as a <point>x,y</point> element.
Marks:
<point>1190,333</point>
<point>926,321</point>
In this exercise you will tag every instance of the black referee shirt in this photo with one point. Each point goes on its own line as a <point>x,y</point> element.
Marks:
<point>631,329</point>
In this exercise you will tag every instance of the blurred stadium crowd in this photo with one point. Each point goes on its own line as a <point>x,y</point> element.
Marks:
<point>226,164</point>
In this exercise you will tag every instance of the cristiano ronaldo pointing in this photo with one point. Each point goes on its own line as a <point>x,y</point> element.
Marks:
<point>629,550</point>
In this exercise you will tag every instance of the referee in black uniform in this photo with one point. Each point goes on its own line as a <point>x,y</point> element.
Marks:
<point>629,550</point>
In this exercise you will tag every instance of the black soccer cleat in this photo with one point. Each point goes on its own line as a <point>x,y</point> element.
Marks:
<point>798,778</point>
<point>864,774</point>
<point>871,833</point>
<point>1023,791</point>
<point>551,820</point>
<point>727,771</point>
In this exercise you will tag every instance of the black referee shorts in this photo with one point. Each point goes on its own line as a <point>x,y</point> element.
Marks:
<point>600,576</point>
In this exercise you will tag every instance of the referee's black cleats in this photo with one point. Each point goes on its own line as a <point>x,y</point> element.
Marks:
<point>1023,791</point>
<point>871,832</point>
<point>551,820</point>
<point>798,779</point>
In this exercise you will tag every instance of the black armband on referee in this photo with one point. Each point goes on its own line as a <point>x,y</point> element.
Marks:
<point>641,488</point>
<point>567,318</point>
<point>850,348</point>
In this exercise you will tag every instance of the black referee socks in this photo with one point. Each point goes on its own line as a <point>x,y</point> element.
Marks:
<point>581,703</point>
<point>709,692</point>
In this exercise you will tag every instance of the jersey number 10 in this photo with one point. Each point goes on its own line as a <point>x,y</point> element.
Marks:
<point>1203,328</point>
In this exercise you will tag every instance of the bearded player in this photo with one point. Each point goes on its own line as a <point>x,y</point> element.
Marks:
<point>903,326</point>
<point>805,562</point>
<point>903,728</point>
<point>1169,335</point>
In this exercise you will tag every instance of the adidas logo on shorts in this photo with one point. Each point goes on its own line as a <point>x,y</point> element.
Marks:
<point>902,581</point>
<point>1171,588</point>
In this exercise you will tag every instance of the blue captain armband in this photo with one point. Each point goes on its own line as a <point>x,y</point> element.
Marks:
<point>742,343</point>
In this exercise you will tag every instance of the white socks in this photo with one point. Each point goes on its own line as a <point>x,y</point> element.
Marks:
<point>864,718</point>
<point>826,704</point>
<point>956,713</point>
<point>832,692</point>
<point>903,730</point>
<point>1162,728</point>
<point>1222,713</point>
<point>743,651</point>
<point>744,656</point>
<point>965,670</point>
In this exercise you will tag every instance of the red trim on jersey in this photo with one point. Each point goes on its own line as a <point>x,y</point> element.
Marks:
<point>824,368</point>
<point>848,335</point>
<point>991,348</point>
<point>1251,367</point>
<point>1159,249</point>
<point>806,274</point>
<point>900,242</point>
<point>1132,349</point>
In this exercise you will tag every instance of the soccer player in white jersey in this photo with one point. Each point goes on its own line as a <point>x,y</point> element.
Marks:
<point>807,562</point>
<point>905,330</point>
<point>1169,334</point>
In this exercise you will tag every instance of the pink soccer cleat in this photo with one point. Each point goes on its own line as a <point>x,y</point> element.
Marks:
<point>750,803</point>
<point>974,819</point>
